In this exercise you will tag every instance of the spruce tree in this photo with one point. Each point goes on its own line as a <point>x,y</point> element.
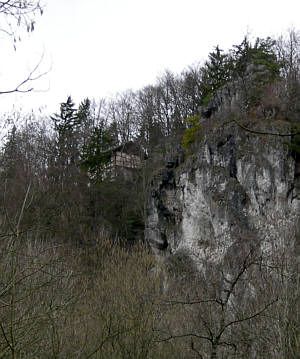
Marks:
<point>66,125</point>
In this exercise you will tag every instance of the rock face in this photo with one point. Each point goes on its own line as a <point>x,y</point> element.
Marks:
<point>232,188</point>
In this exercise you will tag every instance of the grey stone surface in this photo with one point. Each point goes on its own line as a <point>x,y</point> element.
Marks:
<point>234,188</point>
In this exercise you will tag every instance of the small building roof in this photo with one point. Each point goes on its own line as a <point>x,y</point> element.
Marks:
<point>127,147</point>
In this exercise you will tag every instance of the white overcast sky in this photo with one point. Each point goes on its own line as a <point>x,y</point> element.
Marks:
<point>96,48</point>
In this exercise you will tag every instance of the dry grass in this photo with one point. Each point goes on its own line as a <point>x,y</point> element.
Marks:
<point>62,302</point>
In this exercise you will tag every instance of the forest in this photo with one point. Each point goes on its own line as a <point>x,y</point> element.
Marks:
<point>77,278</point>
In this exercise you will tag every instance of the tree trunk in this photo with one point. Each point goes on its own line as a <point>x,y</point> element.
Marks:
<point>213,354</point>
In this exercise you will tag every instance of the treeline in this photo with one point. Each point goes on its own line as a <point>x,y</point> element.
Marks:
<point>62,163</point>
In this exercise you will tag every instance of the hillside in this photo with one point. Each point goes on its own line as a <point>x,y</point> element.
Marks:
<point>161,223</point>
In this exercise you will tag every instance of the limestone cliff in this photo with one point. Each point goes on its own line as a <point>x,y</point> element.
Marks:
<point>233,187</point>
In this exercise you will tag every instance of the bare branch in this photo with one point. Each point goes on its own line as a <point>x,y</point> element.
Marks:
<point>252,316</point>
<point>187,335</point>
<point>233,284</point>
<point>176,302</point>
<point>265,133</point>
<point>5,336</point>
<point>32,76</point>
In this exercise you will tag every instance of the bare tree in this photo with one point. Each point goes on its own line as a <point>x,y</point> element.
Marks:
<point>288,52</point>
<point>123,113</point>
<point>221,309</point>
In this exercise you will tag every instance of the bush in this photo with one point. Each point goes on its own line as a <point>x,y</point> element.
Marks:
<point>191,133</point>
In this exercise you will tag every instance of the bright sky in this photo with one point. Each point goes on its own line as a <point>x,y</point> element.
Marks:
<point>96,48</point>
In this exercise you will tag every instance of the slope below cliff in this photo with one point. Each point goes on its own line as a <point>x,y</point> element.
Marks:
<point>233,188</point>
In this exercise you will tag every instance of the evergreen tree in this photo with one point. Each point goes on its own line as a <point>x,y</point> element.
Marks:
<point>216,69</point>
<point>96,153</point>
<point>66,121</point>
<point>11,156</point>
<point>97,139</point>
<point>66,125</point>
<point>255,66</point>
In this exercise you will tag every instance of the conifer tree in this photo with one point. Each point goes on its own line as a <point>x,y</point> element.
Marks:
<point>255,66</point>
<point>216,70</point>
<point>66,125</point>
<point>96,154</point>
<point>10,155</point>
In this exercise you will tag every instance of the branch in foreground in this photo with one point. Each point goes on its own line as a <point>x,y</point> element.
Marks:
<point>252,316</point>
<point>33,76</point>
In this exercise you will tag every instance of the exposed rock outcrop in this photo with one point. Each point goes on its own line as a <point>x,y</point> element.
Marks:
<point>233,188</point>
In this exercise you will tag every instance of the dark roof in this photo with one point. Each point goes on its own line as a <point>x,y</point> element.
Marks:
<point>127,147</point>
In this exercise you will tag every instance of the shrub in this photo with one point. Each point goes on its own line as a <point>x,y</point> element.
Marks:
<point>191,133</point>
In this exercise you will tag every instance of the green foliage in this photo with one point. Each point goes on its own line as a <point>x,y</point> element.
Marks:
<point>11,155</point>
<point>262,52</point>
<point>66,126</point>
<point>206,99</point>
<point>216,71</point>
<point>255,64</point>
<point>84,111</point>
<point>95,154</point>
<point>95,151</point>
<point>192,133</point>
<point>67,120</point>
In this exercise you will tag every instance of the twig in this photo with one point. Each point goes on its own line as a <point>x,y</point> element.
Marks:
<point>30,78</point>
